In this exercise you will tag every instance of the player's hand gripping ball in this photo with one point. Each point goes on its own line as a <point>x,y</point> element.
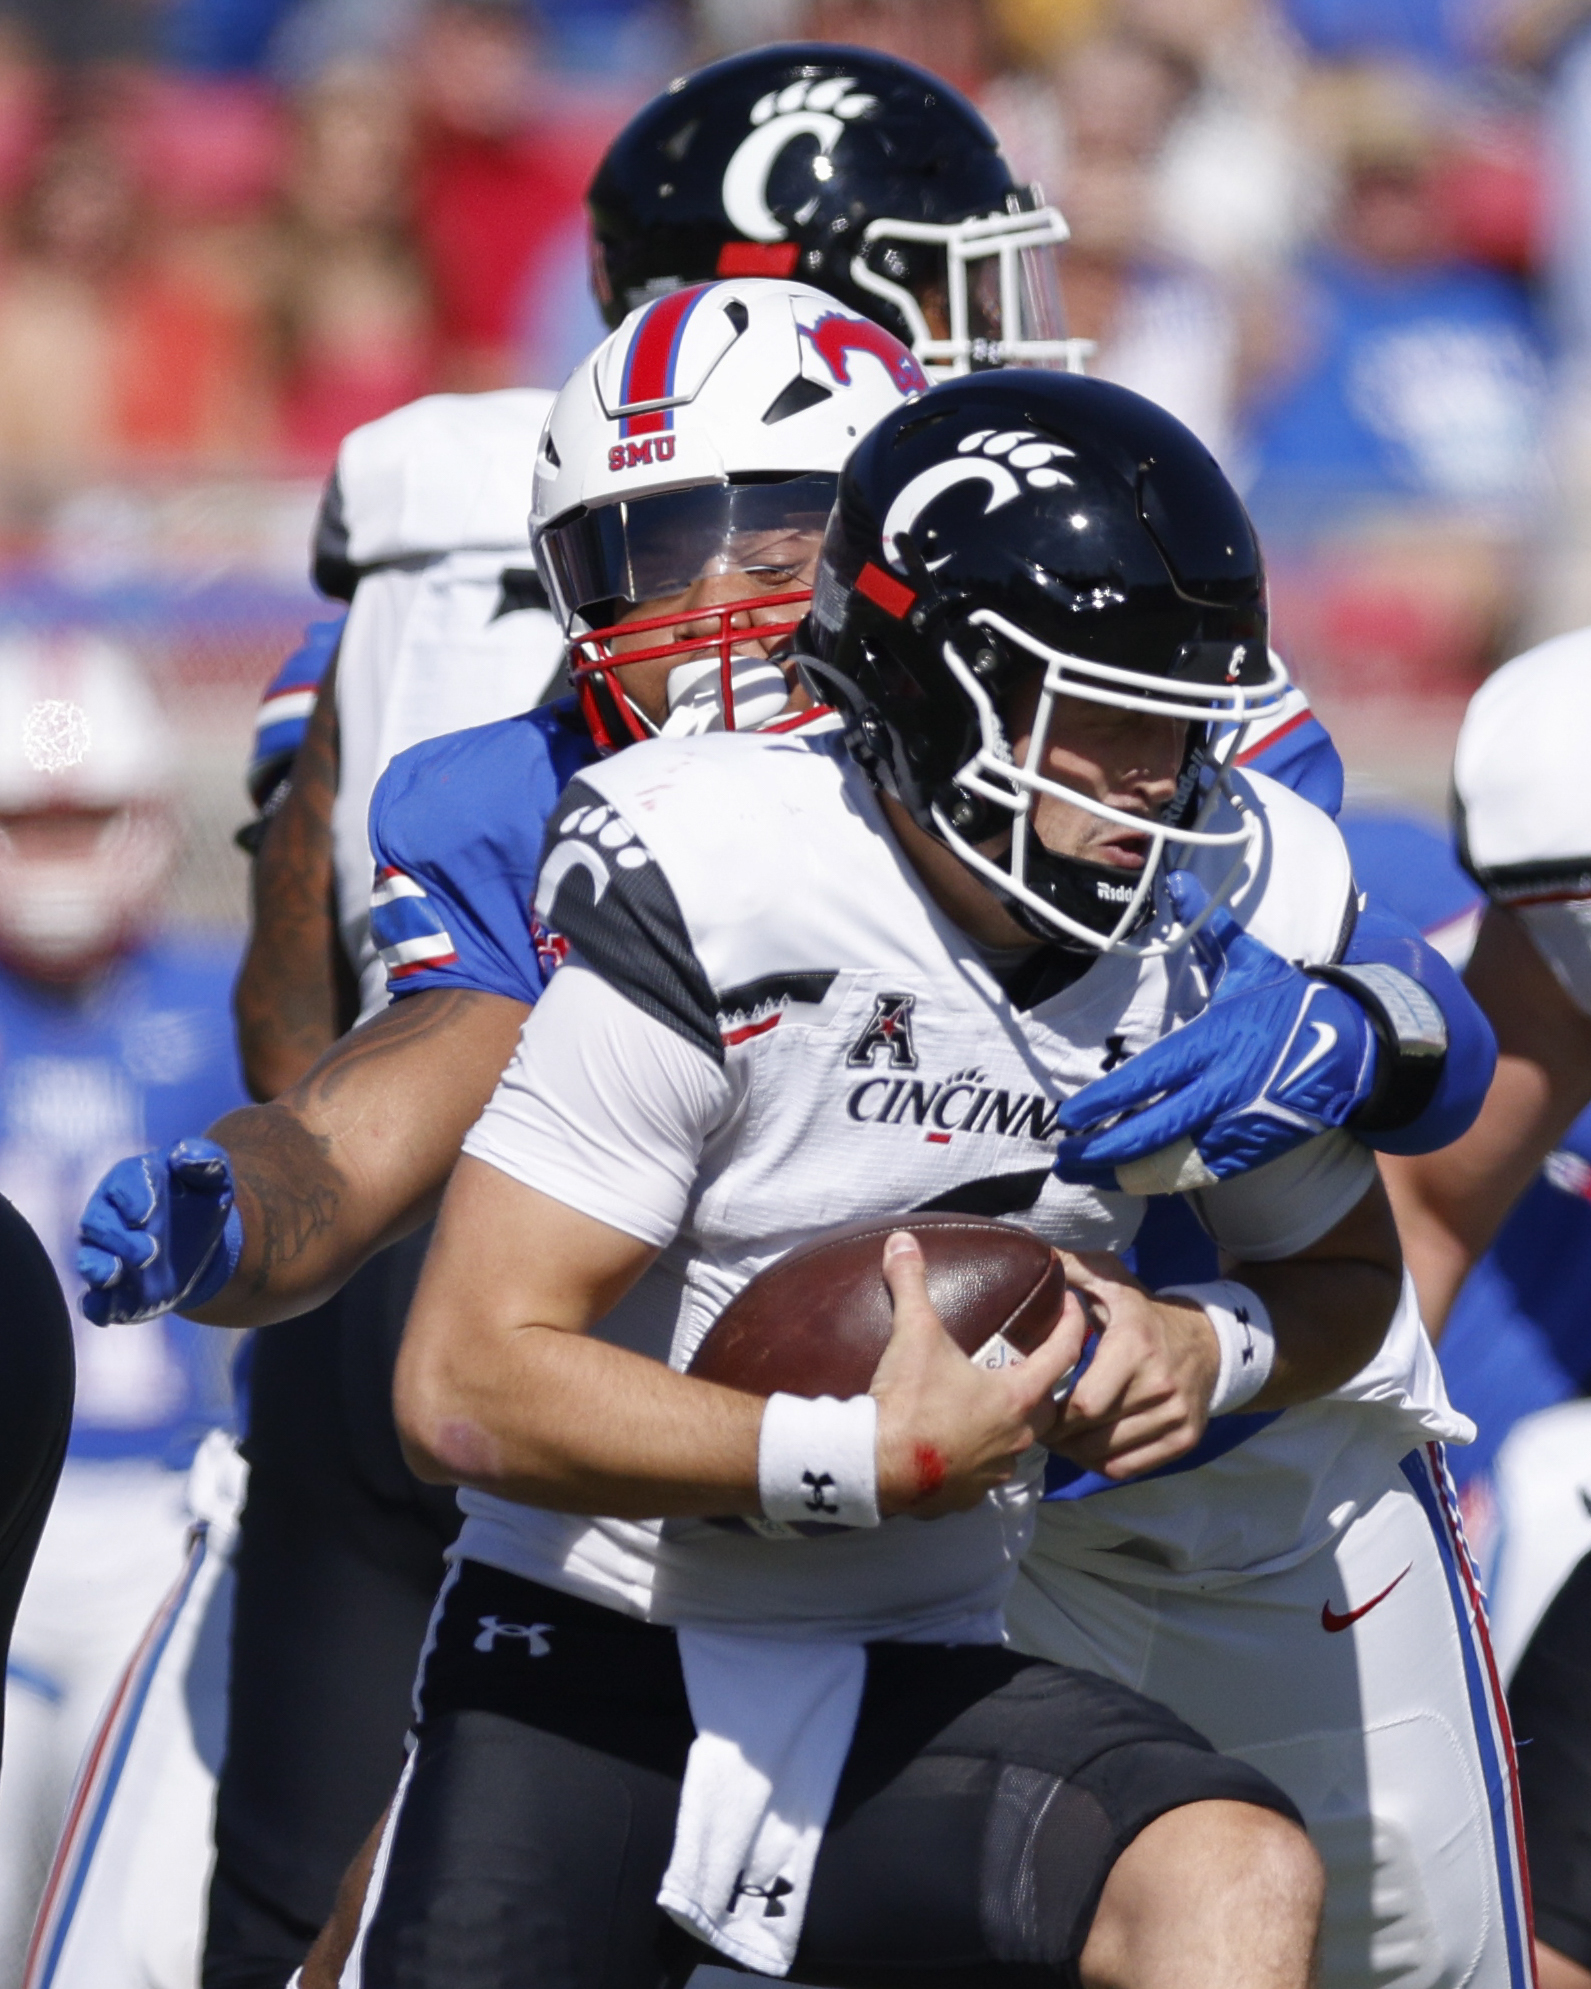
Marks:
<point>160,1231</point>
<point>817,1321</point>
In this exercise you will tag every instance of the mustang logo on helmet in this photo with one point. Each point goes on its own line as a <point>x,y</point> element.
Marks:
<point>817,110</point>
<point>839,333</point>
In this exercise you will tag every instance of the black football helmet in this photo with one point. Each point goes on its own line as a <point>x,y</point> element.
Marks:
<point>855,172</point>
<point>1017,522</point>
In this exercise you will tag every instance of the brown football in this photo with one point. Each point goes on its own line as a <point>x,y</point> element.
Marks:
<point>817,1321</point>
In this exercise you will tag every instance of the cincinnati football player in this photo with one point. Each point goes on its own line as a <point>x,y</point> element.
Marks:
<point>1297,1581</point>
<point>1298,1587</point>
<point>775,979</point>
<point>870,178</point>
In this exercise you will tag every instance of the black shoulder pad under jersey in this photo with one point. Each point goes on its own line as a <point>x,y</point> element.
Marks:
<point>601,888</point>
<point>333,572</point>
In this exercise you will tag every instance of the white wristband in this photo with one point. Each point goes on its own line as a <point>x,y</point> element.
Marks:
<point>817,1460</point>
<point>1247,1339</point>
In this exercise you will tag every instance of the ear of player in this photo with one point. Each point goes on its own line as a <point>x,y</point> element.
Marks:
<point>160,1231</point>
<point>1277,1057</point>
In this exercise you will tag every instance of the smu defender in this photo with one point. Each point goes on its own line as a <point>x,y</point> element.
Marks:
<point>750,927</point>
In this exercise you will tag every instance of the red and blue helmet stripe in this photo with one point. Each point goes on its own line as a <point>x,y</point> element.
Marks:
<point>650,363</point>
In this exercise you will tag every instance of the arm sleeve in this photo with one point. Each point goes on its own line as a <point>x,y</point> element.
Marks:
<point>1382,937</point>
<point>1297,750</point>
<point>604,1108</point>
<point>1275,1210</point>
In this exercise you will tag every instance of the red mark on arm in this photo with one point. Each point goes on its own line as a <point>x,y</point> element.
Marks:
<point>930,1468</point>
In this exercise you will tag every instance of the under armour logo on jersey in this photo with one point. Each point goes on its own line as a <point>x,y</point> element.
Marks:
<point>988,456</point>
<point>772,1896</point>
<point>889,1028</point>
<point>533,1634</point>
<point>819,110</point>
<point>821,1483</point>
<point>584,835</point>
<point>1116,1052</point>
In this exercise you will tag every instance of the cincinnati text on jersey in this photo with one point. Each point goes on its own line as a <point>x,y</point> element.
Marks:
<point>965,1102</point>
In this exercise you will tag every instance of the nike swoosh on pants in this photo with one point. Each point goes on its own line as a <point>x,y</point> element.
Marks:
<point>1331,1622</point>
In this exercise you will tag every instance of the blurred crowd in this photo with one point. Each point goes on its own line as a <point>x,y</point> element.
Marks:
<point>1346,240</point>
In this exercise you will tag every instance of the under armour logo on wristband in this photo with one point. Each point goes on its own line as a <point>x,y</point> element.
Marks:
<point>1240,1314</point>
<point>819,1484</point>
<point>772,1896</point>
<point>534,1634</point>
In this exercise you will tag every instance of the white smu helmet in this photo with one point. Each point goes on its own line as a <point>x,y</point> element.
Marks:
<point>704,437</point>
<point>86,835</point>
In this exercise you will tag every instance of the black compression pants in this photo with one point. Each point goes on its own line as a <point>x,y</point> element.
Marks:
<point>1549,1701</point>
<point>338,1563</point>
<point>36,1386</point>
<point>984,1801</point>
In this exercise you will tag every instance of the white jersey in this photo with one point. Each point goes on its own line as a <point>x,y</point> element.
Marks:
<point>430,506</point>
<point>1520,774</point>
<point>769,1029</point>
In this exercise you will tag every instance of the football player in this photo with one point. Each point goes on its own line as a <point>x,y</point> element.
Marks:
<point>1525,835</point>
<point>791,999</point>
<point>110,1029</point>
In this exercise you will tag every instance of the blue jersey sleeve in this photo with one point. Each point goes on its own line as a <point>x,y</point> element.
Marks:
<point>1383,937</point>
<point>1301,754</point>
<point>1415,892</point>
<point>284,713</point>
<point>456,825</point>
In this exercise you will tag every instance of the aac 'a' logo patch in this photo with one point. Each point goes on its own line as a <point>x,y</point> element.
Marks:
<point>888,1028</point>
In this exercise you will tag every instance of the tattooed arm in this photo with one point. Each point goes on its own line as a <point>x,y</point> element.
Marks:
<point>296,995</point>
<point>358,1151</point>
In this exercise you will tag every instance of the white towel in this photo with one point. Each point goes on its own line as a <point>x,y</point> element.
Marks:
<point>774,1721</point>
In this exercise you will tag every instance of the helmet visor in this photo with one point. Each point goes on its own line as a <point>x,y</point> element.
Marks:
<point>603,564</point>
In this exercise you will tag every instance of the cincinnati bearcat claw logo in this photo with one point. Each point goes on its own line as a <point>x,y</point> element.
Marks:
<point>888,1028</point>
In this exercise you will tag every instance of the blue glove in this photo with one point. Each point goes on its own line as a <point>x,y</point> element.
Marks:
<point>159,1231</point>
<point>1276,1058</point>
